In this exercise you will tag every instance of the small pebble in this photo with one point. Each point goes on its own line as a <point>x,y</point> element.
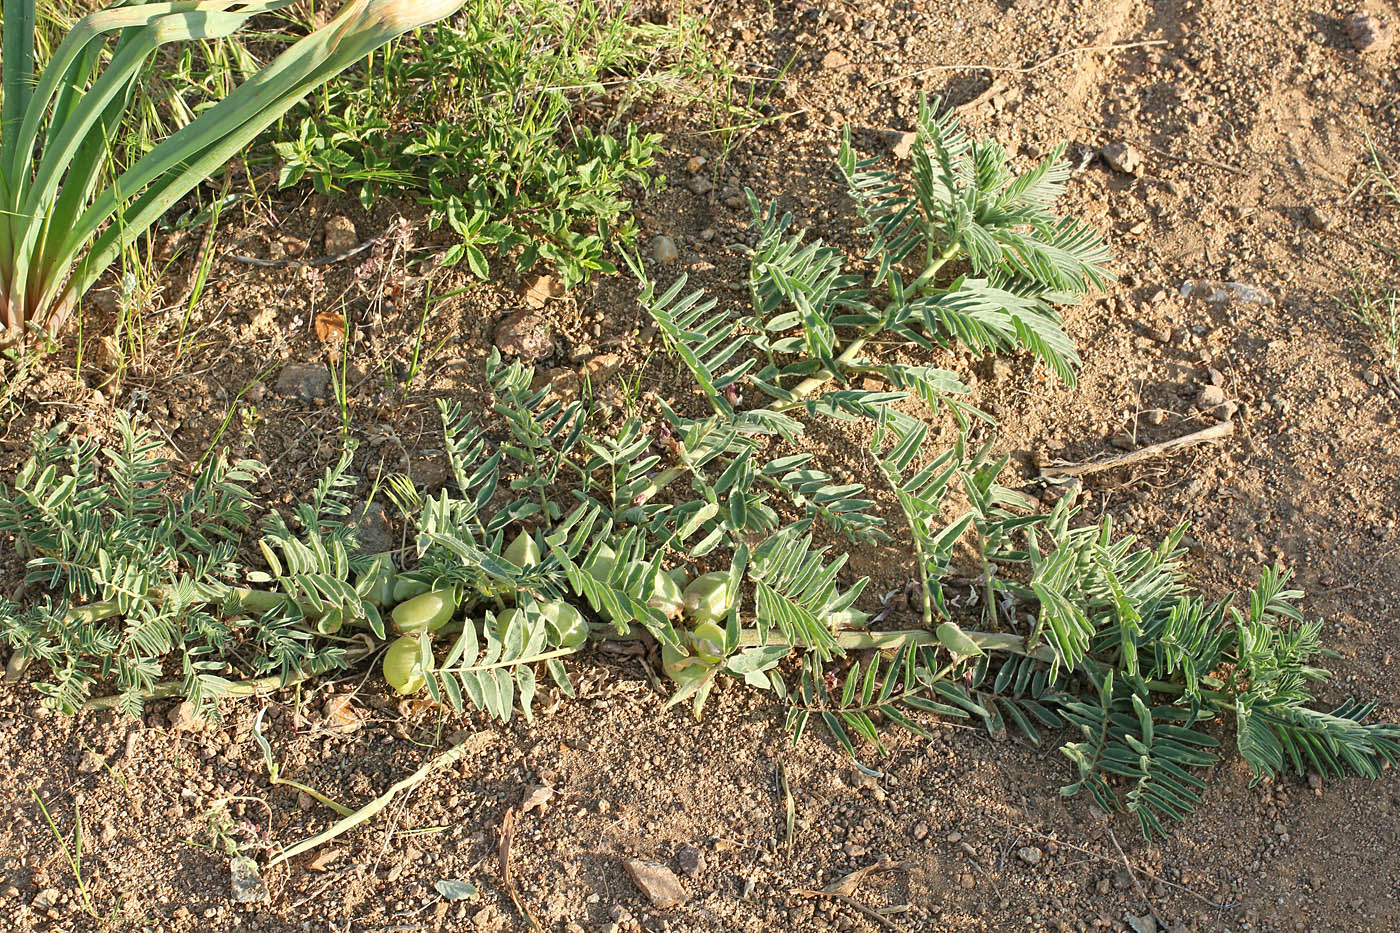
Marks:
<point>1320,220</point>
<point>1369,34</point>
<point>1210,396</point>
<point>691,861</point>
<point>663,250</point>
<point>340,235</point>
<point>1122,157</point>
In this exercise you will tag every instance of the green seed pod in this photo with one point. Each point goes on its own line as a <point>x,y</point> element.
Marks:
<point>680,666</point>
<point>708,641</point>
<point>405,589</point>
<point>566,625</point>
<point>708,599</point>
<point>667,596</point>
<point>401,666</point>
<point>426,613</point>
<point>601,561</point>
<point>523,551</point>
<point>504,620</point>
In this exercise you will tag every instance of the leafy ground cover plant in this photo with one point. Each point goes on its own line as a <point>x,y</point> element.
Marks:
<point>709,540</point>
<point>481,121</point>
<point>66,211</point>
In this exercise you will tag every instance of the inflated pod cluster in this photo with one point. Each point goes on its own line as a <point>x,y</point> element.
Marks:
<point>419,609</point>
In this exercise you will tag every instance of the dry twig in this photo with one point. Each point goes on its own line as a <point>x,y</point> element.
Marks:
<point>503,857</point>
<point>1216,432</point>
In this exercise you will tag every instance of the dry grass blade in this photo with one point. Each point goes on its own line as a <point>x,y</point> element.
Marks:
<point>789,810</point>
<point>366,812</point>
<point>503,858</point>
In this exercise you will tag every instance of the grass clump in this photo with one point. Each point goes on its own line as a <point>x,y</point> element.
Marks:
<point>68,209</point>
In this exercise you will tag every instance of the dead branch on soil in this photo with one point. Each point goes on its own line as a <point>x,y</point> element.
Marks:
<point>854,904</point>
<point>844,887</point>
<point>1142,892</point>
<point>323,261</point>
<point>1216,432</point>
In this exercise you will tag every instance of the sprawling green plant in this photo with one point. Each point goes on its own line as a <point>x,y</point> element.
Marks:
<point>66,211</point>
<point>479,121</point>
<point>708,539</point>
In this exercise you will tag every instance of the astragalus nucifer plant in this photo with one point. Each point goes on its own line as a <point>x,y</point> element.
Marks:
<point>703,529</point>
<point>66,211</point>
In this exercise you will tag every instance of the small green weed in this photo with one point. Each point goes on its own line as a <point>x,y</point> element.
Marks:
<point>1378,308</point>
<point>485,122</point>
<point>72,850</point>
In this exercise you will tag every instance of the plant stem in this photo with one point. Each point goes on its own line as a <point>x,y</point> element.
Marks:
<point>891,641</point>
<point>246,597</point>
<point>811,384</point>
<point>170,688</point>
<point>926,277</point>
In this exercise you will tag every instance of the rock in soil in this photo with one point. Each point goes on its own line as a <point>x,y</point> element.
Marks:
<point>371,524</point>
<point>656,881</point>
<point>835,59</point>
<point>340,715</point>
<point>1222,292</point>
<point>324,859</point>
<point>1225,410</point>
<point>1210,397</point>
<point>185,718</point>
<point>541,290</point>
<point>46,899</point>
<point>1145,923</point>
<point>1320,220</point>
<point>691,861</point>
<point>663,250</point>
<point>1368,33</point>
<point>306,381</point>
<point>1122,158</point>
<point>905,146</point>
<point>536,797</point>
<point>244,882</point>
<point>1030,855</point>
<point>524,334</point>
<point>340,235</point>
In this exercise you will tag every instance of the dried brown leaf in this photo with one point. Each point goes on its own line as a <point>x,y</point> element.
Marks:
<point>329,326</point>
